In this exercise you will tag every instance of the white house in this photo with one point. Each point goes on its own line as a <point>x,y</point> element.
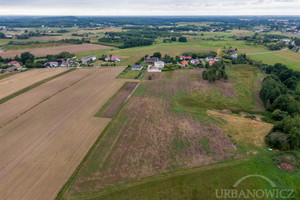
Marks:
<point>159,64</point>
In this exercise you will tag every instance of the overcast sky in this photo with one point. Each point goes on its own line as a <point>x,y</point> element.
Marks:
<point>150,7</point>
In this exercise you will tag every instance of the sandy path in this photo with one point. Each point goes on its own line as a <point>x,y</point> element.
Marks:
<point>22,80</point>
<point>24,102</point>
<point>40,150</point>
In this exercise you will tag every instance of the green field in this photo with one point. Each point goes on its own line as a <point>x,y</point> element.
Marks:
<point>240,95</point>
<point>202,182</point>
<point>289,58</point>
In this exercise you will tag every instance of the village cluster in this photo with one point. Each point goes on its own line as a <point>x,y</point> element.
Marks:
<point>69,62</point>
<point>155,64</point>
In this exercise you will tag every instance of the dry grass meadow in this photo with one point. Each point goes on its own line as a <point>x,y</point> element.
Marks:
<point>22,80</point>
<point>41,148</point>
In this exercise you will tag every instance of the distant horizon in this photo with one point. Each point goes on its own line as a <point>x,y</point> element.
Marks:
<point>261,15</point>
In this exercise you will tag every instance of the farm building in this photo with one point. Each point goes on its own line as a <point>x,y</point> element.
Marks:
<point>151,60</point>
<point>136,67</point>
<point>88,58</point>
<point>159,64</point>
<point>153,69</point>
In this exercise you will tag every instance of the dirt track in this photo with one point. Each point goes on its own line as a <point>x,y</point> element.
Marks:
<point>75,48</point>
<point>22,80</point>
<point>41,149</point>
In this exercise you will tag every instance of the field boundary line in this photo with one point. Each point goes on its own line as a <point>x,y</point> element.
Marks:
<point>49,97</point>
<point>9,97</point>
<point>159,177</point>
<point>87,156</point>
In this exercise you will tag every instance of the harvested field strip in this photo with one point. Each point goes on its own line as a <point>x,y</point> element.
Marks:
<point>28,100</point>
<point>76,48</point>
<point>32,86</point>
<point>54,137</point>
<point>160,177</point>
<point>113,105</point>
<point>2,76</point>
<point>17,82</point>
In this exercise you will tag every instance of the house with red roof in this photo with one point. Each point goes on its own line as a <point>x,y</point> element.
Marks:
<point>15,63</point>
<point>184,63</point>
<point>185,57</point>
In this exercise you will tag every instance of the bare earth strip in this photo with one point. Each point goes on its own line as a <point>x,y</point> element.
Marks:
<point>40,150</point>
<point>22,80</point>
<point>76,48</point>
<point>24,102</point>
<point>114,106</point>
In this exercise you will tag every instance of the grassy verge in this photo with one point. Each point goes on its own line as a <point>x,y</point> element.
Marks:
<point>202,182</point>
<point>3,100</point>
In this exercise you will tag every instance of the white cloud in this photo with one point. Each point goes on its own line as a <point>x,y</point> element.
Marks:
<point>153,7</point>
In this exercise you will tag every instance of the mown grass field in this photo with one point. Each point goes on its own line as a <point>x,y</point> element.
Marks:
<point>289,58</point>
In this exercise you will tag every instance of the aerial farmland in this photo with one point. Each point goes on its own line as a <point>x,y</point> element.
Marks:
<point>149,108</point>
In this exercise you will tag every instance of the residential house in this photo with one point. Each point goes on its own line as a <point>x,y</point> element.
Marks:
<point>88,59</point>
<point>153,69</point>
<point>234,55</point>
<point>136,67</point>
<point>112,58</point>
<point>185,57</point>
<point>9,35</point>
<point>195,61</point>
<point>208,58</point>
<point>211,61</point>
<point>184,63</point>
<point>159,64</point>
<point>15,63</point>
<point>11,69</point>
<point>151,59</point>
